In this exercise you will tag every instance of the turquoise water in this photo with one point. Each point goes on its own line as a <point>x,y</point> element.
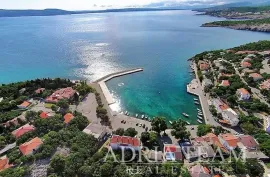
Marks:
<point>90,46</point>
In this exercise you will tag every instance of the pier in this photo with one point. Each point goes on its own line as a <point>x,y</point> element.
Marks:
<point>102,82</point>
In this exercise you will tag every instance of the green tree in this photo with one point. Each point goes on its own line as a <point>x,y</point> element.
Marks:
<point>130,132</point>
<point>159,124</point>
<point>63,103</point>
<point>254,168</point>
<point>119,131</point>
<point>179,130</point>
<point>58,164</point>
<point>203,129</point>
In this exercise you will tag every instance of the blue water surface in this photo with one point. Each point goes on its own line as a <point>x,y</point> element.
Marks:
<point>90,46</point>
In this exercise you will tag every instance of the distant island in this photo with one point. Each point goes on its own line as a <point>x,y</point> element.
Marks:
<point>253,18</point>
<point>52,12</point>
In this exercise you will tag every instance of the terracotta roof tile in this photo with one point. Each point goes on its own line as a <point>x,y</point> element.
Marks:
<point>68,117</point>
<point>22,130</point>
<point>43,115</point>
<point>28,147</point>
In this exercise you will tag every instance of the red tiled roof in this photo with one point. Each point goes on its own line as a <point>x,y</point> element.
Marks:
<point>68,117</point>
<point>43,115</point>
<point>243,91</point>
<point>225,83</point>
<point>255,75</point>
<point>230,139</point>
<point>39,90</point>
<point>25,104</point>
<point>4,163</point>
<point>246,64</point>
<point>170,148</point>
<point>28,147</point>
<point>64,93</point>
<point>248,141</point>
<point>204,66</point>
<point>125,140</point>
<point>22,130</point>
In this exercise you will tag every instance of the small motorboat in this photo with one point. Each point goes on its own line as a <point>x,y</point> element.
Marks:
<point>170,122</point>
<point>185,114</point>
<point>195,99</point>
<point>197,103</point>
<point>199,121</point>
<point>199,117</point>
<point>188,122</point>
<point>142,116</point>
<point>199,109</point>
<point>126,113</point>
<point>137,115</point>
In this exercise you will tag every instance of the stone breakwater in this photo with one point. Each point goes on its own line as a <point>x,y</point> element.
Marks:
<point>102,82</point>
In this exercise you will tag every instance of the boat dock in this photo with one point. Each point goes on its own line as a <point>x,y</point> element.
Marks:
<point>102,82</point>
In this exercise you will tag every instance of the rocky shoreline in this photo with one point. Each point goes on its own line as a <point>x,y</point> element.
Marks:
<point>258,28</point>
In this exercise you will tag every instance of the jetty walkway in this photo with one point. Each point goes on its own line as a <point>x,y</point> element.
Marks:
<point>102,82</point>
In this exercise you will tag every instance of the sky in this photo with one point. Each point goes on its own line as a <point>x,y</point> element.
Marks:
<point>92,4</point>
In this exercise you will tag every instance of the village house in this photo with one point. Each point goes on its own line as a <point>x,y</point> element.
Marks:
<point>156,156</point>
<point>15,121</point>
<point>172,152</point>
<point>39,90</point>
<point>247,59</point>
<point>44,115</point>
<point>243,94</point>
<point>229,116</point>
<point>28,148</point>
<point>64,93</point>
<point>225,83</point>
<point>229,141</point>
<point>256,76</point>
<point>207,83</point>
<point>126,142</point>
<point>190,152</point>
<point>24,105</point>
<point>4,163</point>
<point>212,140</point>
<point>199,171</point>
<point>22,130</point>
<point>98,131</point>
<point>204,66</point>
<point>247,142</point>
<point>245,64</point>
<point>68,117</point>
<point>265,85</point>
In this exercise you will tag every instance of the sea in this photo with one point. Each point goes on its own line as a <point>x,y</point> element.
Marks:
<point>89,46</point>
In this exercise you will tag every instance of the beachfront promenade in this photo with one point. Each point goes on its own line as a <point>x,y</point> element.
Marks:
<point>196,88</point>
<point>102,82</point>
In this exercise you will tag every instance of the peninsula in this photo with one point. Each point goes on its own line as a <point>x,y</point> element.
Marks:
<point>252,18</point>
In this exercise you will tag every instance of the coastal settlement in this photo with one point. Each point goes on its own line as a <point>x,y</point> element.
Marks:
<point>58,127</point>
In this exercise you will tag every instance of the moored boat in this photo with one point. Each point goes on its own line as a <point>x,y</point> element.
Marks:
<point>188,122</point>
<point>199,117</point>
<point>170,122</point>
<point>142,116</point>
<point>196,102</point>
<point>126,113</point>
<point>137,115</point>
<point>199,109</point>
<point>185,114</point>
<point>195,99</point>
<point>199,121</point>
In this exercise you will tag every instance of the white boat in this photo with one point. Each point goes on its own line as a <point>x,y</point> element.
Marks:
<point>195,99</point>
<point>196,102</point>
<point>199,117</point>
<point>146,117</point>
<point>126,113</point>
<point>199,109</point>
<point>188,122</point>
<point>142,116</point>
<point>137,115</point>
<point>170,122</point>
<point>199,121</point>
<point>185,114</point>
